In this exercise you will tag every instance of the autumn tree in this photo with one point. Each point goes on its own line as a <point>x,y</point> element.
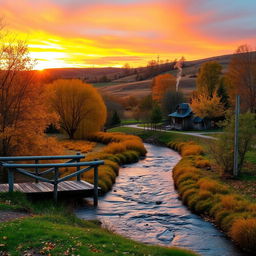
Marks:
<point>242,77</point>
<point>80,107</point>
<point>23,113</point>
<point>205,106</point>
<point>161,84</point>
<point>208,78</point>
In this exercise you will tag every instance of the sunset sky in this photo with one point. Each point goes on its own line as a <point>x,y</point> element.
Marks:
<point>86,33</point>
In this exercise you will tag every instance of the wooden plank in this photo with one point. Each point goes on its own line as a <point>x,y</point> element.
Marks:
<point>4,188</point>
<point>44,187</point>
<point>76,185</point>
<point>71,185</point>
<point>48,187</point>
<point>89,185</point>
<point>64,186</point>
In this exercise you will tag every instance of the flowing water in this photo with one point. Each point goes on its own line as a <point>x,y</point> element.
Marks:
<point>143,205</point>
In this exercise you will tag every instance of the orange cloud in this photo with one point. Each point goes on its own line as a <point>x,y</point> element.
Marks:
<point>82,34</point>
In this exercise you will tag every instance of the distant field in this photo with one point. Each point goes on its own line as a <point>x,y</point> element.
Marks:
<point>142,88</point>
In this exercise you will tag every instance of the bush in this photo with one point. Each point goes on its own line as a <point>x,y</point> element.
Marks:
<point>243,232</point>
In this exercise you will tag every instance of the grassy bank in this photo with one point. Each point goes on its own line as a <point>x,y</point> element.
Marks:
<point>202,190</point>
<point>53,230</point>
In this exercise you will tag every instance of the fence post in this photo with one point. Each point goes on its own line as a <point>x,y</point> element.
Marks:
<point>10,179</point>
<point>78,168</point>
<point>95,191</point>
<point>36,170</point>
<point>55,192</point>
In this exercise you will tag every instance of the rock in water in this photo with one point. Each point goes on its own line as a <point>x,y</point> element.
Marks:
<point>166,236</point>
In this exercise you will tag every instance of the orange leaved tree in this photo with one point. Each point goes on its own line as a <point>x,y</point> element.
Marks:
<point>80,107</point>
<point>161,84</point>
<point>23,114</point>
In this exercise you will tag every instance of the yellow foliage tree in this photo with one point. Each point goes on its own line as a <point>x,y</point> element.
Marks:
<point>205,106</point>
<point>161,84</point>
<point>208,79</point>
<point>80,107</point>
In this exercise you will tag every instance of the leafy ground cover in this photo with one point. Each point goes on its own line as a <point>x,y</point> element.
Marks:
<point>53,230</point>
<point>204,192</point>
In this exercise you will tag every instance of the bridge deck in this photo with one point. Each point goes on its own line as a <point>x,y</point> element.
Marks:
<point>44,187</point>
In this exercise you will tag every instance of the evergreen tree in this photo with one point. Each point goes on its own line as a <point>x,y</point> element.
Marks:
<point>223,94</point>
<point>115,119</point>
<point>156,115</point>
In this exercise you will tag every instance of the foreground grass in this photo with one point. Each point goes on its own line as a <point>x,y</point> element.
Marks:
<point>53,230</point>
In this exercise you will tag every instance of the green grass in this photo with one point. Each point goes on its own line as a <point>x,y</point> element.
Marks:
<point>129,121</point>
<point>54,230</point>
<point>251,157</point>
<point>163,137</point>
<point>98,85</point>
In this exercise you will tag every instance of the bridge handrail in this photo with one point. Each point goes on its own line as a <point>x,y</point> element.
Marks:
<point>49,165</point>
<point>24,158</point>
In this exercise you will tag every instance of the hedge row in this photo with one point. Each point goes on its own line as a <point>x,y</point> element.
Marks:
<point>205,195</point>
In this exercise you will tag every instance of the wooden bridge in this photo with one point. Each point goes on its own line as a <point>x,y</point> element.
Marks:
<point>54,185</point>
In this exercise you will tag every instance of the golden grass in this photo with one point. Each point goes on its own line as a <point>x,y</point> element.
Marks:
<point>78,145</point>
<point>204,195</point>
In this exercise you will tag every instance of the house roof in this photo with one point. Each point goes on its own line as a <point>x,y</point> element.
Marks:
<point>182,110</point>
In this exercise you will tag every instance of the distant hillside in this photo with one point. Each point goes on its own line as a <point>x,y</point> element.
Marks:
<point>123,83</point>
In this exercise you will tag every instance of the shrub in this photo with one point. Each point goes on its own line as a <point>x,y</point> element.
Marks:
<point>202,163</point>
<point>212,186</point>
<point>243,232</point>
<point>191,149</point>
<point>114,148</point>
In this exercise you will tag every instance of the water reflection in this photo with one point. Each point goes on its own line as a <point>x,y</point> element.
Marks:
<point>143,205</point>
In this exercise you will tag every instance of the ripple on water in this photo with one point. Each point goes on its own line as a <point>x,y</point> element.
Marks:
<point>131,209</point>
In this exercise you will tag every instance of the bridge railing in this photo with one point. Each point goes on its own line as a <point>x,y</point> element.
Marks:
<point>7,162</point>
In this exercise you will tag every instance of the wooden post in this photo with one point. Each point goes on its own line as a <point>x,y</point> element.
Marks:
<point>95,192</point>
<point>55,192</point>
<point>10,179</point>
<point>36,170</point>
<point>78,168</point>
<point>235,168</point>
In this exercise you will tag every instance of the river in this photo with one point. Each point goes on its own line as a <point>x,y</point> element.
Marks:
<point>144,206</point>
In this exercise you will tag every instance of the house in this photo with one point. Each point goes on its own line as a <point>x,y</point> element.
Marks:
<point>184,119</point>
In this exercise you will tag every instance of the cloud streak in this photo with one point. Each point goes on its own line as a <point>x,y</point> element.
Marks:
<point>74,33</point>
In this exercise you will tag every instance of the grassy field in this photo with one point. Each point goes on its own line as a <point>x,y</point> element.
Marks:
<point>54,230</point>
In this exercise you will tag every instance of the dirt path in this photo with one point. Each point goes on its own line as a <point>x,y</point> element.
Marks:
<point>7,215</point>
<point>200,135</point>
